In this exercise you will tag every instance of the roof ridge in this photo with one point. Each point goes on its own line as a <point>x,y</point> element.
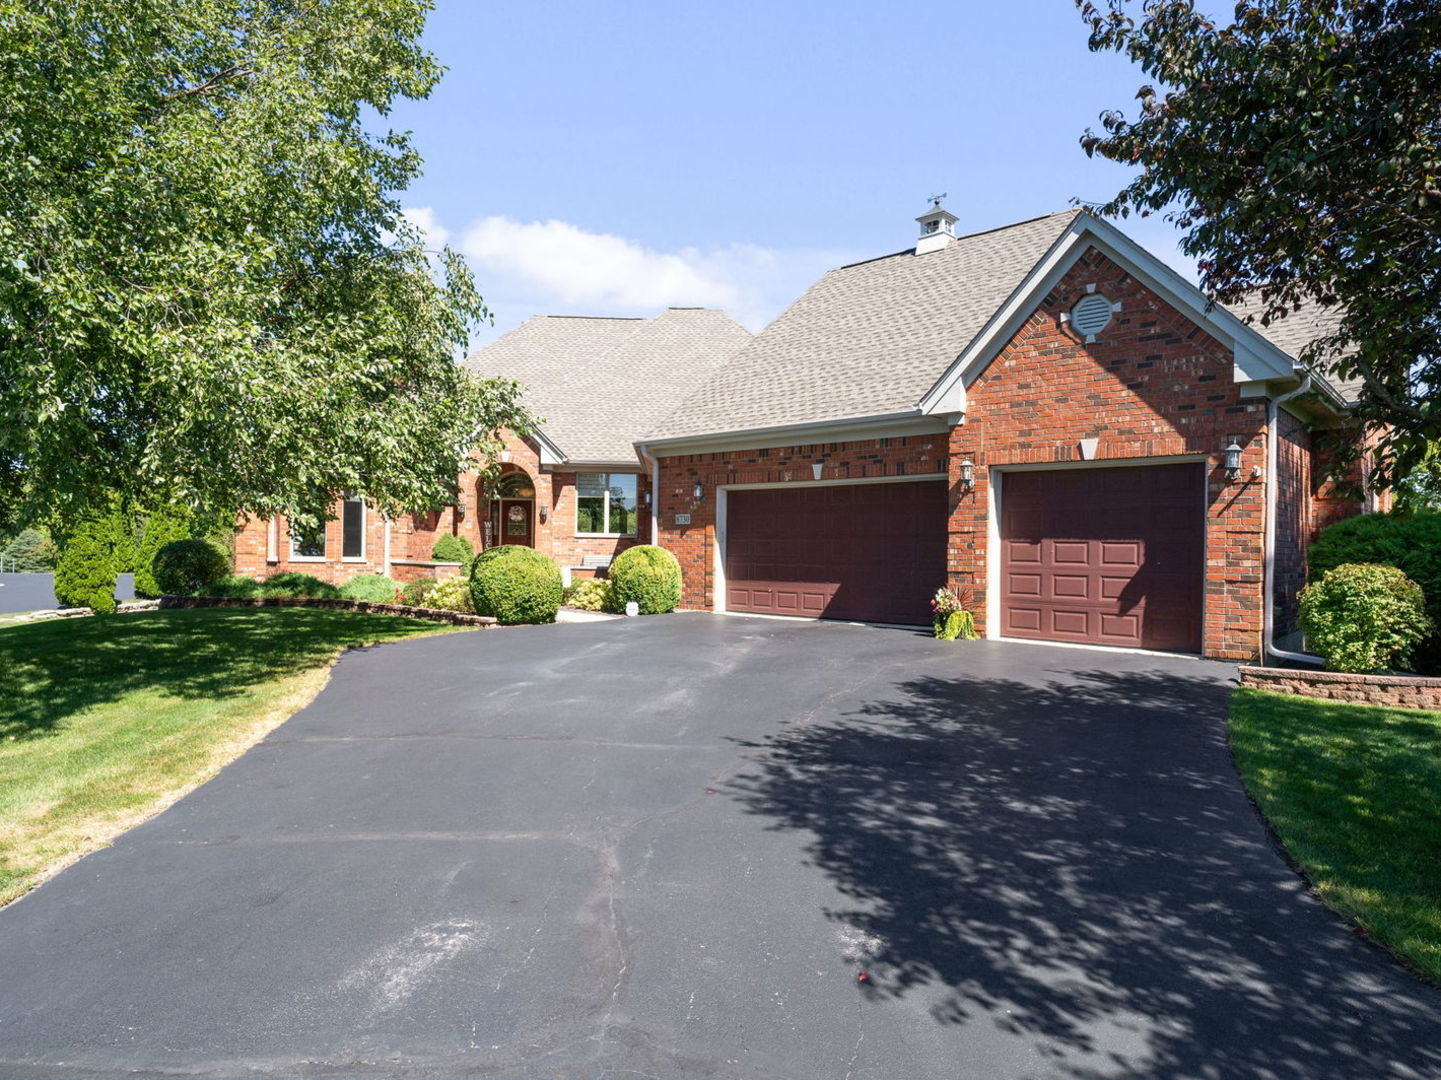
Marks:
<point>972,235</point>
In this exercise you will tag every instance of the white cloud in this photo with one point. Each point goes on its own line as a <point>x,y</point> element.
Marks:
<point>423,219</point>
<point>556,267</point>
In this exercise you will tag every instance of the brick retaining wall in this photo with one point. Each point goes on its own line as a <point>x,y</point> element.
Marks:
<point>454,618</point>
<point>1397,691</point>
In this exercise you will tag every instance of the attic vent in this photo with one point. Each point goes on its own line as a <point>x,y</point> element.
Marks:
<point>1091,315</point>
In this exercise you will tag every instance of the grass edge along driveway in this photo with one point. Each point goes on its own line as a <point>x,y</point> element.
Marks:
<point>106,721</point>
<point>1354,793</point>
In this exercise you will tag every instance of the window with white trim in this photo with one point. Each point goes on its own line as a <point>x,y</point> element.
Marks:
<point>352,528</point>
<point>307,543</point>
<point>605,504</point>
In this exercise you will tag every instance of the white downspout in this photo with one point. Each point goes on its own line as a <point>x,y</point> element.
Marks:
<point>654,464</point>
<point>385,556</point>
<point>1273,478</point>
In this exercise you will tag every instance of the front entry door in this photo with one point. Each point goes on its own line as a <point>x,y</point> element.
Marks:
<point>515,526</point>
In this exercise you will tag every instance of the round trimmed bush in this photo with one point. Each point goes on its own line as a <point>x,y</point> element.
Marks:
<point>375,588</point>
<point>1362,617</point>
<point>86,571</point>
<point>647,574</point>
<point>183,567</point>
<point>450,548</point>
<point>1409,542</point>
<point>294,583</point>
<point>515,584</point>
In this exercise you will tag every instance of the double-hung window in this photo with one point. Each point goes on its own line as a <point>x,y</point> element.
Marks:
<point>605,504</point>
<point>352,528</point>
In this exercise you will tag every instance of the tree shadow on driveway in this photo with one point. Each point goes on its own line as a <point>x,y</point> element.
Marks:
<point>1075,861</point>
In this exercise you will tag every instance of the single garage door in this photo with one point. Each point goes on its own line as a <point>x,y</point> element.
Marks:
<point>1108,556</point>
<point>872,552</point>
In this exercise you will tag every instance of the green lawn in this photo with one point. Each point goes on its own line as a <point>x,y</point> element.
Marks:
<point>1354,792</point>
<point>105,721</point>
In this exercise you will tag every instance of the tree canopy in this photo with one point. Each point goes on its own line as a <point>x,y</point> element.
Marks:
<point>1297,147</point>
<point>209,294</point>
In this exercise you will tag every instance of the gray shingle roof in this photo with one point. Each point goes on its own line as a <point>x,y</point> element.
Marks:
<point>868,339</point>
<point>599,383</point>
<point>1298,329</point>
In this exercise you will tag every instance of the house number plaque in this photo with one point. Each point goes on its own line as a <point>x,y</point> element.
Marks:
<point>682,519</point>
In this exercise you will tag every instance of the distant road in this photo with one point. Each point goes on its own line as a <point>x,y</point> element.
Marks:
<point>31,592</point>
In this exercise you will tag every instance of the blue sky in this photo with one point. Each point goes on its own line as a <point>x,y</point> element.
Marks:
<point>612,158</point>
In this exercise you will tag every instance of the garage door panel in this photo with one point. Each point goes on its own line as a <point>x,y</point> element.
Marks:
<point>872,552</point>
<point>1119,554</point>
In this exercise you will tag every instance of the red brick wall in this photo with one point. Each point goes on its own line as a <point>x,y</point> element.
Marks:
<point>1294,528</point>
<point>1153,384</point>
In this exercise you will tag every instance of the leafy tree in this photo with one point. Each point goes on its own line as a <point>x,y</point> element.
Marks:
<point>1420,489</point>
<point>208,292</point>
<point>30,551</point>
<point>86,571</point>
<point>1297,147</point>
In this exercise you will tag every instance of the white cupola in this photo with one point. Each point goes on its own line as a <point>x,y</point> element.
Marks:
<point>938,227</point>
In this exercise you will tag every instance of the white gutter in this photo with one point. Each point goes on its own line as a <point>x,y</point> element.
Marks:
<point>1273,478</point>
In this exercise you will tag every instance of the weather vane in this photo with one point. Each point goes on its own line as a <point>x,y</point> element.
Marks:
<point>936,200</point>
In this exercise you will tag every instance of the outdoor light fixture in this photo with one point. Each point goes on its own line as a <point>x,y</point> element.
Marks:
<point>645,499</point>
<point>698,493</point>
<point>1233,461</point>
<point>968,473</point>
<point>544,513</point>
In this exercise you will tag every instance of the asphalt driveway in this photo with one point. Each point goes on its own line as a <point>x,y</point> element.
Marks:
<point>664,847</point>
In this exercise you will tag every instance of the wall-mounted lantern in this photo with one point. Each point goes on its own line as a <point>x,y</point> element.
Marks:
<point>698,492</point>
<point>544,513</point>
<point>968,474</point>
<point>1232,456</point>
<point>645,499</point>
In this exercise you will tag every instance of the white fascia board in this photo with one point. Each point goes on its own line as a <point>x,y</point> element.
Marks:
<point>842,429</point>
<point>550,454</point>
<point>1256,358</point>
<point>606,466</point>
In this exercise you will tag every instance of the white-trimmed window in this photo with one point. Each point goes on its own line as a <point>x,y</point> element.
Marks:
<point>605,504</point>
<point>307,544</point>
<point>352,529</point>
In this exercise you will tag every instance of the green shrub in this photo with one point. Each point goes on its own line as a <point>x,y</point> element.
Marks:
<point>1362,617</point>
<point>955,626</point>
<point>588,594</point>
<point>415,592</point>
<point>160,528</point>
<point>183,566</point>
<point>375,588</point>
<point>646,574</point>
<point>86,571</point>
<point>294,583</point>
<point>1409,542</point>
<point>450,594</point>
<point>515,584</point>
<point>449,548</point>
<point>231,585</point>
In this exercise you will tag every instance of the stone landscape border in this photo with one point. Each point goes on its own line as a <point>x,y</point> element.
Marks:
<point>454,618</point>
<point>1396,691</point>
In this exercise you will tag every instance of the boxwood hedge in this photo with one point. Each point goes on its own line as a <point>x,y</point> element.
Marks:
<point>515,584</point>
<point>647,574</point>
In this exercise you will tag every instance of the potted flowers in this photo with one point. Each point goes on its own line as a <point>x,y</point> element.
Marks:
<point>949,616</point>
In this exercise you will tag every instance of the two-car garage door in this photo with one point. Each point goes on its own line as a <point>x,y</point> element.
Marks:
<point>868,552</point>
<point>1104,555</point>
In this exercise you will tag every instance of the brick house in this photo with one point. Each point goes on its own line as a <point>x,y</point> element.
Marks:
<point>1043,416</point>
<point>575,491</point>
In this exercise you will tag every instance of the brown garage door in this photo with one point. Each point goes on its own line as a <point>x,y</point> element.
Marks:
<point>1105,556</point>
<point>873,552</point>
